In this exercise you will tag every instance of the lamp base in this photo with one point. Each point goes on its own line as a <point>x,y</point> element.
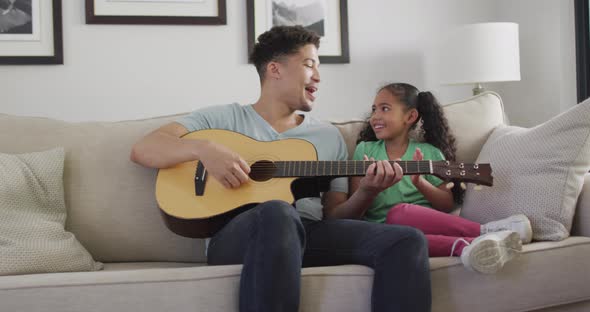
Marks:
<point>478,89</point>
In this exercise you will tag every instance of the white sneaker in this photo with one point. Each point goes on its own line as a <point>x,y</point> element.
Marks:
<point>488,253</point>
<point>517,223</point>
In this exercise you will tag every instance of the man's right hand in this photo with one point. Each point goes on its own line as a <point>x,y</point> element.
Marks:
<point>224,165</point>
<point>164,148</point>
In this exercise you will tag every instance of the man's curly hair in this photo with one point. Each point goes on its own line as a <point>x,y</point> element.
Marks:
<point>434,126</point>
<point>278,42</point>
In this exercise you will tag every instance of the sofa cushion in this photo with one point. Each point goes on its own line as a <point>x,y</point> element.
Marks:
<point>538,172</point>
<point>350,132</point>
<point>547,274</point>
<point>33,215</point>
<point>472,121</point>
<point>110,200</point>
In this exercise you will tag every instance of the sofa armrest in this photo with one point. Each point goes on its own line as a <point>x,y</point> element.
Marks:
<point>581,225</point>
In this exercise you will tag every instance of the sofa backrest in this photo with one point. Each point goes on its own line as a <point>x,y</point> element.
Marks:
<point>110,200</point>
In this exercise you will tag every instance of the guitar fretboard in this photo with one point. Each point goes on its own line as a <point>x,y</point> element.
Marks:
<point>343,168</point>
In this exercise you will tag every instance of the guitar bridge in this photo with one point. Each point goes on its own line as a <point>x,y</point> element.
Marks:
<point>200,179</point>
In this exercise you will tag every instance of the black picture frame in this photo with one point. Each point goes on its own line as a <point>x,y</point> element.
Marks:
<point>54,59</point>
<point>342,57</point>
<point>219,19</point>
<point>582,22</point>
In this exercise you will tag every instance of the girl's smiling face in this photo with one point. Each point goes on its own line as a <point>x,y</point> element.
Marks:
<point>389,117</point>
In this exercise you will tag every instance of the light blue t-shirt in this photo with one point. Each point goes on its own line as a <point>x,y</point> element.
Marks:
<point>244,119</point>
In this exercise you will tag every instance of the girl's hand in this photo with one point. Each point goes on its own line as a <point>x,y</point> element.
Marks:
<point>417,156</point>
<point>379,176</point>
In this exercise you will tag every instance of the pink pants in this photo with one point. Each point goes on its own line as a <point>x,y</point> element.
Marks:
<point>441,229</point>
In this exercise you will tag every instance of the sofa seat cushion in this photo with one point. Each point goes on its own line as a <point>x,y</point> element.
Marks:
<point>168,288</point>
<point>548,273</point>
<point>135,266</point>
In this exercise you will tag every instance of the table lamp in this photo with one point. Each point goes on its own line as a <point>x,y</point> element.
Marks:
<point>480,53</point>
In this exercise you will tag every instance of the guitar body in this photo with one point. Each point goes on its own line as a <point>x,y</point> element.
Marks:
<point>199,216</point>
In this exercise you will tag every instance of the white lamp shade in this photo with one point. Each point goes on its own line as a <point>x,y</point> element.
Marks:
<point>477,53</point>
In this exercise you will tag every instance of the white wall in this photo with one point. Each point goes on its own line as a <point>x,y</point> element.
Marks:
<point>547,57</point>
<point>117,72</point>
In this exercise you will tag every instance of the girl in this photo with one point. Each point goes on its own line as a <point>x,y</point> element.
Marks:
<point>423,201</point>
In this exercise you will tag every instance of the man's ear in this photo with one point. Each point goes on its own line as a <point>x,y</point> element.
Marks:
<point>273,70</point>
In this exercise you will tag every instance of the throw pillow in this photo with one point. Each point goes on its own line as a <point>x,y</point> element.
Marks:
<point>33,215</point>
<point>537,171</point>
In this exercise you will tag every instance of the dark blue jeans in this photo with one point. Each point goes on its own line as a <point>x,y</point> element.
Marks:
<point>273,243</point>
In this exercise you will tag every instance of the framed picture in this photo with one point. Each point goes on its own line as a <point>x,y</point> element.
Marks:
<point>582,9</point>
<point>328,18</point>
<point>196,12</point>
<point>30,32</point>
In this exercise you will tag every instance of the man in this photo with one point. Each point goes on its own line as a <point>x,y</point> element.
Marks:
<point>272,240</point>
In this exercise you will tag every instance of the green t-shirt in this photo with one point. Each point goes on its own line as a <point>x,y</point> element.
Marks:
<point>404,191</point>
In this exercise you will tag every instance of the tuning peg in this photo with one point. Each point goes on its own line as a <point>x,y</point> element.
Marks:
<point>450,185</point>
<point>477,188</point>
<point>463,186</point>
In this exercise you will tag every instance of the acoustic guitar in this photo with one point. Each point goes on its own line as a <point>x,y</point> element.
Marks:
<point>195,205</point>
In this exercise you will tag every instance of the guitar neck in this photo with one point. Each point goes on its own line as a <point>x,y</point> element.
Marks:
<point>343,168</point>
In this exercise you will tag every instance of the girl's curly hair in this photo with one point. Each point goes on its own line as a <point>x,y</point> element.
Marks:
<point>434,125</point>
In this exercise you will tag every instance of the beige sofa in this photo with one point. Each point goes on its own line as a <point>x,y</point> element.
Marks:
<point>113,213</point>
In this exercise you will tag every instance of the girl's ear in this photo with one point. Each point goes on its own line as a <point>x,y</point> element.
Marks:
<point>412,116</point>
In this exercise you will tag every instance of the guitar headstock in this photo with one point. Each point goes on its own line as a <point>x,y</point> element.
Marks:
<point>480,174</point>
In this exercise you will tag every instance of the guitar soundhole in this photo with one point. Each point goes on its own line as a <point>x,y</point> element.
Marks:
<point>262,170</point>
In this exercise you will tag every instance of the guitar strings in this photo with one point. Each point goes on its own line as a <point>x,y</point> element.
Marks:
<point>300,167</point>
<point>355,166</point>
